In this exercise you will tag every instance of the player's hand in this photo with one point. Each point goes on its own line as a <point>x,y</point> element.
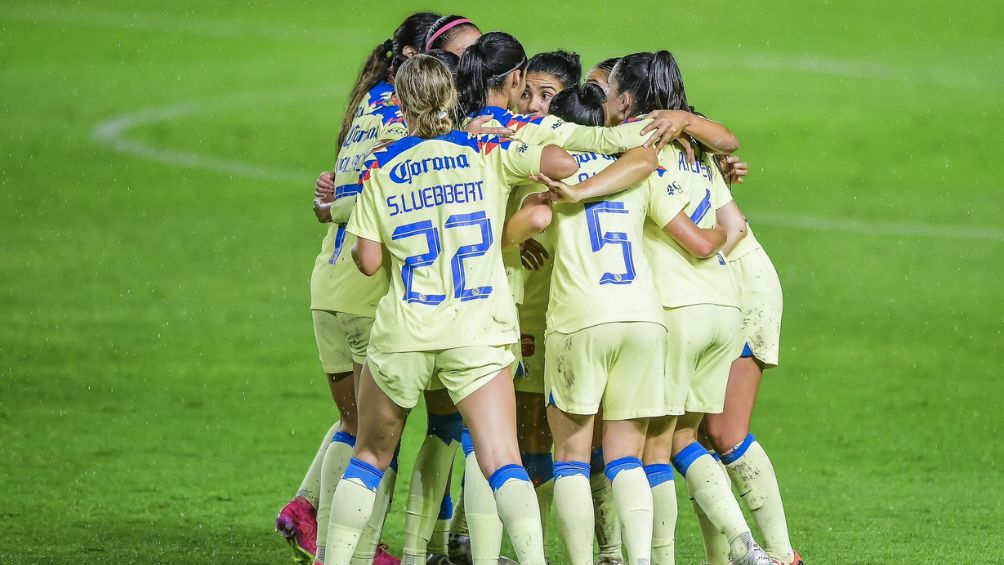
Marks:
<point>560,192</point>
<point>475,127</point>
<point>666,126</point>
<point>324,189</point>
<point>533,254</point>
<point>688,148</point>
<point>734,169</point>
<point>322,210</point>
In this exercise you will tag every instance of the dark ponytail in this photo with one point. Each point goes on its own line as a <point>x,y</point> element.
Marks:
<point>654,81</point>
<point>582,105</point>
<point>444,29</point>
<point>382,61</point>
<point>562,65</point>
<point>484,67</point>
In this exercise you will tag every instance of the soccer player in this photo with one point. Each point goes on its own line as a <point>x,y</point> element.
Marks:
<point>747,464</point>
<point>434,202</point>
<point>369,115</point>
<point>701,311</point>
<point>600,74</point>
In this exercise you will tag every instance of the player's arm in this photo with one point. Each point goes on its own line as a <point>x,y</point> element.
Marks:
<point>368,255</point>
<point>631,168</point>
<point>730,218</point>
<point>555,162</point>
<point>532,218</point>
<point>712,135</point>
<point>699,242</point>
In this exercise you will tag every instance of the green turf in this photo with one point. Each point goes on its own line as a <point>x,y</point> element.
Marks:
<point>160,396</point>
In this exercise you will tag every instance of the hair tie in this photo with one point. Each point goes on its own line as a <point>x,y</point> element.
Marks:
<point>444,29</point>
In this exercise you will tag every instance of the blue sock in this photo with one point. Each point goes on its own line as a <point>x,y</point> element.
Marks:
<point>658,473</point>
<point>596,461</point>
<point>686,457</point>
<point>368,474</point>
<point>570,468</point>
<point>466,442</point>
<point>447,427</point>
<point>446,508</point>
<point>540,467</point>
<point>506,472</point>
<point>344,437</point>
<point>739,451</point>
<point>622,464</point>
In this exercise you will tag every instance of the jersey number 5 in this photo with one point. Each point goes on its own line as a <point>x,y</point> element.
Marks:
<point>598,238</point>
<point>434,243</point>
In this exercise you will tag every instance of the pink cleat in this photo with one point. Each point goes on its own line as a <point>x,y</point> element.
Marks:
<point>384,557</point>
<point>297,522</point>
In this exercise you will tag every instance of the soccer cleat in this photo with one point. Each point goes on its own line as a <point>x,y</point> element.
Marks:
<point>610,561</point>
<point>297,522</point>
<point>503,560</point>
<point>755,556</point>
<point>459,549</point>
<point>796,561</point>
<point>384,557</point>
<point>438,559</point>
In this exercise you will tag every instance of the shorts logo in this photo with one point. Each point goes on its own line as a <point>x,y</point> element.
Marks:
<point>527,345</point>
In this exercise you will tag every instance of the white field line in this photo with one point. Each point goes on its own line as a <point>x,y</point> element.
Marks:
<point>113,133</point>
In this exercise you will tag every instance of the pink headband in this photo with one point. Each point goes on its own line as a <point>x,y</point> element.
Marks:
<point>444,29</point>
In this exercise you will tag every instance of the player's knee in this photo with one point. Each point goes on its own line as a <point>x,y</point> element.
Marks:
<point>723,434</point>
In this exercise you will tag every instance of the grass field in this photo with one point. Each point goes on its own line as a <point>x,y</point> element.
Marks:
<point>160,395</point>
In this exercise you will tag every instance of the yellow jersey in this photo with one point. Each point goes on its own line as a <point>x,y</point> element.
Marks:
<point>681,278</point>
<point>335,283</point>
<point>438,206</point>
<point>601,273</point>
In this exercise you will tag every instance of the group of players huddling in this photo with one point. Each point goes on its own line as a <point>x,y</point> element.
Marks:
<point>571,288</point>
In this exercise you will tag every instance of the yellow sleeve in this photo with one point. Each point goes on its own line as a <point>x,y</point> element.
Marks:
<point>365,220</point>
<point>519,161</point>
<point>392,131</point>
<point>610,141</point>
<point>341,208</point>
<point>666,197</point>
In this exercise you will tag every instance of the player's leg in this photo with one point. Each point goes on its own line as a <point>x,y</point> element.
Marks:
<point>658,447</point>
<point>339,451</point>
<point>480,382</point>
<point>439,543</point>
<point>482,517</point>
<point>431,473</point>
<point>607,526</point>
<point>534,437</point>
<point>381,423</point>
<point>460,539</point>
<point>747,463</point>
<point>572,498</point>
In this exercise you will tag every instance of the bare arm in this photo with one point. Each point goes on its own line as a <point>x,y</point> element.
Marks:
<point>368,256</point>
<point>732,220</point>
<point>556,163</point>
<point>700,242</point>
<point>713,135</point>
<point>531,219</point>
<point>630,169</point>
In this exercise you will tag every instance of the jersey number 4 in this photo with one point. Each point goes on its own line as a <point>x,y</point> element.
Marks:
<point>598,238</point>
<point>434,243</point>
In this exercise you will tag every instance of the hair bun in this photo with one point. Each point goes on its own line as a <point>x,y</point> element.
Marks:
<point>388,48</point>
<point>592,94</point>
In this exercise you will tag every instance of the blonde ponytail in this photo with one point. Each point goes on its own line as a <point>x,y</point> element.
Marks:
<point>425,88</point>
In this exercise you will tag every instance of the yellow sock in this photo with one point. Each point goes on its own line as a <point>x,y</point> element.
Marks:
<point>607,528</point>
<point>352,505</point>
<point>660,478</point>
<point>370,538</point>
<point>545,498</point>
<point>518,510</point>
<point>711,489</point>
<point>428,482</point>
<point>483,521</point>
<point>633,497</point>
<point>310,487</point>
<point>336,458</point>
<point>440,541</point>
<point>574,508</point>
<point>458,526</point>
<point>753,475</point>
